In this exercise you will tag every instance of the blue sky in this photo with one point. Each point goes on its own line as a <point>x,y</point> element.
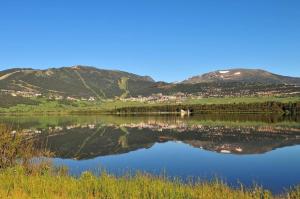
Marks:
<point>167,39</point>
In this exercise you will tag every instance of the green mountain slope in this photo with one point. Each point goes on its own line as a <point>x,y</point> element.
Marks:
<point>77,81</point>
<point>86,82</point>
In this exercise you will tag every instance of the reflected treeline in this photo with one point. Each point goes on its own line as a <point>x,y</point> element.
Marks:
<point>85,143</point>
<point>44,122</point>
<point>85,137</point>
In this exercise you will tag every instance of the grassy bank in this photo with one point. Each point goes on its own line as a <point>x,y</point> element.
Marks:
<point>16,183</point>
<point>45,106</point>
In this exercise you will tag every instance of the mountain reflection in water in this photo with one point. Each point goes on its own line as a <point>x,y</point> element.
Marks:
<point>236,148</point>
<point>86,137</point>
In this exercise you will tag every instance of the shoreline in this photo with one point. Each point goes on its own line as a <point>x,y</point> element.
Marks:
<point>78,113</point>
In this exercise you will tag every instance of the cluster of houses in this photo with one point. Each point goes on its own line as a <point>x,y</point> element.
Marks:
<point>90,99</point>
<point>70,98</point>
<point>21,93</point>
<point>31,94</point>
<point>159,97</point>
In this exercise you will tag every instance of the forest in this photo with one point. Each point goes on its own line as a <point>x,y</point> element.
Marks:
<point>260,107</point>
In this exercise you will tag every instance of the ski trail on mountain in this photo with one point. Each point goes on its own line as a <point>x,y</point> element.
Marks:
<point>85,84</point>
<point>7,75</point>
<point>123,85</point>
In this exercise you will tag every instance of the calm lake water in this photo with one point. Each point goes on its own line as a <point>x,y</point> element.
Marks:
<point>264,149</point>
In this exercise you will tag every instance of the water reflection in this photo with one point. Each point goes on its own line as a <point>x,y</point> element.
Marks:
<point>234,147</point>
<point>85,137</point>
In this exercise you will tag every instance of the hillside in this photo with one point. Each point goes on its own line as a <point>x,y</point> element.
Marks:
<point>83,82</point>
<point>77,81</point>
<point>244,76</point>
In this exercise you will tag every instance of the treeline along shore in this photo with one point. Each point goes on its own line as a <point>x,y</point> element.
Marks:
<point>261,107</point>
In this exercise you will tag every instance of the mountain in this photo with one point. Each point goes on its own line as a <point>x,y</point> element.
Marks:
<point>76,81</point>
<point>86,82</point>
<point>242,75</point>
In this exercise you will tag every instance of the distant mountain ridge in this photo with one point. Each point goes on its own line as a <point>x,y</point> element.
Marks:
<point>71,81</point>
<point>243,75</point>
<point>86,81</point>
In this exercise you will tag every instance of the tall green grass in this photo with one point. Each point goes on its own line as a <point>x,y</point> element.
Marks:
<point>46,182</point>
<point>16,183</point>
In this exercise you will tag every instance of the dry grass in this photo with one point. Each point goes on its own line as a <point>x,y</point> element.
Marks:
<point>13,148</point>
<point>18,149</point>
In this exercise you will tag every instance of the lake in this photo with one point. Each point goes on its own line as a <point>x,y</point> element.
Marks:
<point>245,148</point>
